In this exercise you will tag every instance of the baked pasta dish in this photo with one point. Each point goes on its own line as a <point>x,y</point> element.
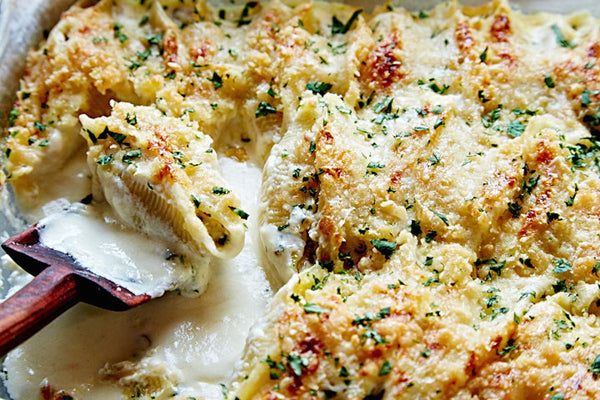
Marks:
<point>428,212</point>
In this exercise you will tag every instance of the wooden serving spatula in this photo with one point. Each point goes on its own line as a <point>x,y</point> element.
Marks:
<point>59,283</point>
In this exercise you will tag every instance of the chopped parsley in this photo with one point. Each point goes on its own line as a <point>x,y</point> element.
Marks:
<point>338,27</point>
<point>319,87</point>
<point>561,265</point>
<point>415,227</point>
<point>434,159</point>
<point>488,119</point>
<point>39,126</point>
<point>131,119</point>
<point>144,20</point>
<point>104,160</point>
<point>515,128</point>
<point>483,55</point>
<point>514,209</point>
<point>131,155</point>
<point>384,105</point>
<point>493,265</point>
<point>372,167</point>
<point>384,246</point>
<point>264,109</point>
<point>216,80</point>
<point>549,82</point>
<point>344,372</point>
<point>442,217</point>
<point>118,137</point>
<point>595,367</point>
<point>481,96</point>
<point>244,20</point>
<point>312,308</point>
<point>296,363</point>
<point>220,190</point>
<point>155,39</point>
<point>571,200</point>
<point>385,369</point>
<point>510,346</point>
<point>195,200</point>
<point>12,116</point>
<point>118,33</point>
<point>430,236</point>
<point>560,37</point>
<point>241,213</point>
<point>439,90</point>
<point>552,216</point>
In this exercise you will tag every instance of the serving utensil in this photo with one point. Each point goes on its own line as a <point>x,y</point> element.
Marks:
<point>59,283</point>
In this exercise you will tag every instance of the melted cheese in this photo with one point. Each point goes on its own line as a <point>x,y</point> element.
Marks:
<point>101,245</point>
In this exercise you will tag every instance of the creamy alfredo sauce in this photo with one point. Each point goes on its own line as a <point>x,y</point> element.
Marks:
<point>105,247</point>
<point>192,342</point>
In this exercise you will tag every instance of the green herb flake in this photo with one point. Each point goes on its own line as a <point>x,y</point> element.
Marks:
<point>241,213</point>
<point>220,190</point>
<point>319,87</point>
<point>131,155</point>
<point>560,37</point>
<point>118,33</point>
<point>571,200</point>
<point>596,268</point>
<point>549,82</point>
<point>338,27</point>
<point>104,160</point>
<point>430,236</point>
<point>595,367</point>
<point>195,200</point>
<point>439,90</point>
<point>385,105</point>
<point>483,55</point>
<point>561,265</point>
<point>264,109</point>
<point>39,126</point>
<point>515,129</point>
<point>155,39</point>
<point>216,80</point>
<point>12,116</point>
<point>415,227</point>
<point>442,217</point>
<point>144,20</point>
<point>488,119</point>
<point>514,209</point>
<point>552,216</point>
<point>131,119</point>
<point>297,363</point>
<point>384,246</point>
<point>386,368</point>
<point>311,308</point>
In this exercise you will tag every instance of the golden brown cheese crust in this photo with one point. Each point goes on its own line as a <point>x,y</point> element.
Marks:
<point>440,167</point>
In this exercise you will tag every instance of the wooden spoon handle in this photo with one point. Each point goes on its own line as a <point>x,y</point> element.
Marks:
<point>48,295</point>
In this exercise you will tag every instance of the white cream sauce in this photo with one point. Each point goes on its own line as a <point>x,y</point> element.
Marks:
<point>192,342</point>
<point>100,244</point>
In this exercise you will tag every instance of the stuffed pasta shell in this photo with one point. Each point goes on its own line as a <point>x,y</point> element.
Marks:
<point>161,177</point>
